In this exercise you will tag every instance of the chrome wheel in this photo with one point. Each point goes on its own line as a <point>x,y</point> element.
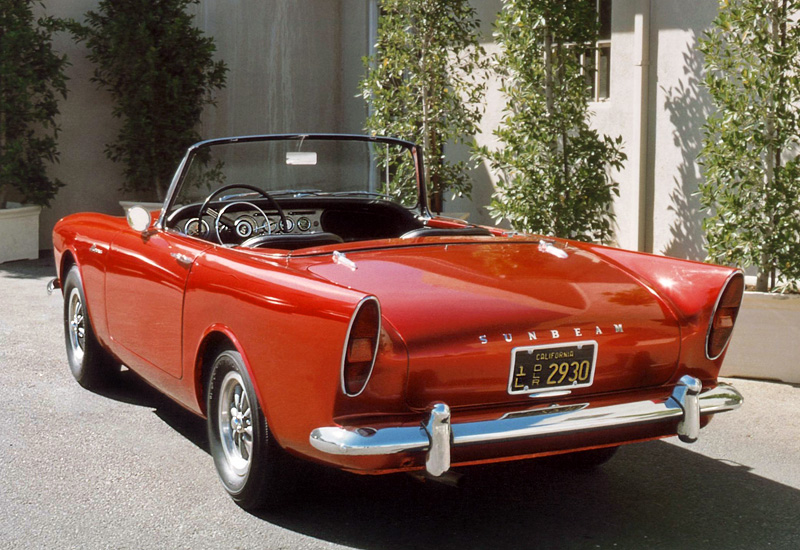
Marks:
<point>77,325</point>
<point>90,364</point>
<point>235,422</point>
<point>251,465</point>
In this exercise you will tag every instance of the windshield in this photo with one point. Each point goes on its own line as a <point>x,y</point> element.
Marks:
<point>300,165</point>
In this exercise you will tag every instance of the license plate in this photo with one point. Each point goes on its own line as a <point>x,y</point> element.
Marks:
<point>547,367</point>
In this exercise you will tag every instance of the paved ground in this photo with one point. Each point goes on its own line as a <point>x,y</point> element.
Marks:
<point>128,469</point>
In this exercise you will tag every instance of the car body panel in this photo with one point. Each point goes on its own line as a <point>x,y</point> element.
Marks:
<point>151,271</point>
<point>492,297</point>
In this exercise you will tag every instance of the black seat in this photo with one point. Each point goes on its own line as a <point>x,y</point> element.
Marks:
<point>469,231</point>
<point>290,241</point>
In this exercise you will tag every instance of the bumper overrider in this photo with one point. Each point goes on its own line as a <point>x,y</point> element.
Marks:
<point>436,435</point>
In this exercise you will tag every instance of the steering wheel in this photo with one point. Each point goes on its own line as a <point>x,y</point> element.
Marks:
<point>230,225</point>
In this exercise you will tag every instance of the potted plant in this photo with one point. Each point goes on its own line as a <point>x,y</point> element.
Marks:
<point>31,79</point>
<point>160,71</point>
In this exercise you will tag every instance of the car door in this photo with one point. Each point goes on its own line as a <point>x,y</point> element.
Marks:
<point>145,282</point>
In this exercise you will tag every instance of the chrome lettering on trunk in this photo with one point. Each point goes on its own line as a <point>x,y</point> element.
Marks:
<point>554,334</point>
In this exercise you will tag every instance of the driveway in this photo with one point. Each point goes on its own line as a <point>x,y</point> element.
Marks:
<point>128,469</point>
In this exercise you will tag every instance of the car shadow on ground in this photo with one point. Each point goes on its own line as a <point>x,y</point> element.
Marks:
<point>651,495</point>
<point>31,269</point>
<point>132,389</point>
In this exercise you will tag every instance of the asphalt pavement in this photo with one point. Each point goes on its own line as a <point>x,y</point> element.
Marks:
<point>129,469</point>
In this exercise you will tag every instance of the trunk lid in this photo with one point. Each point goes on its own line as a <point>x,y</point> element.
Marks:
<point>463,307</point>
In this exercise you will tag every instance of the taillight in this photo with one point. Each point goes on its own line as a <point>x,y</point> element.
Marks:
<point>724,317</point>
<point>361,346</point>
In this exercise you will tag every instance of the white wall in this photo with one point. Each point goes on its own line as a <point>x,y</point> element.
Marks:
<point>679,107</point>
<point>91,180</point>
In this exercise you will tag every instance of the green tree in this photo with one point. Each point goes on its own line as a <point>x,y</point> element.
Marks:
<point>31,79</point>
<point>750,152</point>
<point>425,83</point>
<point>161,73</point>
<point>552,167</point>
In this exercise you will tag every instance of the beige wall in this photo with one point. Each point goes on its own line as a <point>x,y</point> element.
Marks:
<point>679,106</point>
<point>86,125</point>
<point>658,106</point>
<point>294,67</point>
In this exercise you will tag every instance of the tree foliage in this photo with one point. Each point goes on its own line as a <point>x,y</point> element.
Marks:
<point>750,151</point>
<point>425,82</point>
<point>31,81</point>
<point>161,73</point>
<point>552,167</point>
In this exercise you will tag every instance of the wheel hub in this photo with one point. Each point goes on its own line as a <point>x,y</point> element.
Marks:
<point>237,422</point>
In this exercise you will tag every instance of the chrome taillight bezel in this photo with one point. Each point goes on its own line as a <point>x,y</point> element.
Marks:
<point>347,339</point>
<point>725,287</point>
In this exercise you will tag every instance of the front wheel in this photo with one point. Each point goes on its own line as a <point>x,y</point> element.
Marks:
<point>91,365</point>
<point>249,462</point>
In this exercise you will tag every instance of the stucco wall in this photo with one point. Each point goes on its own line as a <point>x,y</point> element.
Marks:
<point>86,126</point>
<point>679,107</point>
<point>294,67</point>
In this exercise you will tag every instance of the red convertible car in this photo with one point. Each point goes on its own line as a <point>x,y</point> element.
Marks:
<point>296,291</point>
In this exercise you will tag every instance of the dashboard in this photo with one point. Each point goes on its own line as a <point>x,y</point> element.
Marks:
<point>233,223</point>
<point>244,224</point>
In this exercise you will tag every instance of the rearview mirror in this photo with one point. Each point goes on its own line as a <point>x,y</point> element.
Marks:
<point>138,218</point>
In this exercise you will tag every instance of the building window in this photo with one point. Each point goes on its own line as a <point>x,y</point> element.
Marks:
<point>596,58</point>
<point>602,78</point>
<point>601,62</point>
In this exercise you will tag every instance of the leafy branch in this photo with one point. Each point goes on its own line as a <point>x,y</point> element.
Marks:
<point>553,169</point>
<point>31,81</point>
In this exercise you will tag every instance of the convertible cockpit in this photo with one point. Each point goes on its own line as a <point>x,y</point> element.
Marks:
<point>294,192</point>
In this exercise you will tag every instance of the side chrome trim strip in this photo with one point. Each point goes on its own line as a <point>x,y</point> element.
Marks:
<point>436,435</point>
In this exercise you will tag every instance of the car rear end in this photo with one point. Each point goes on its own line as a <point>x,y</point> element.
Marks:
<point>507,350</point>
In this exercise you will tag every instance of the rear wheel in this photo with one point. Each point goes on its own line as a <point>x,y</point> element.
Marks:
<point>91,365</point>
<point>250,464</point>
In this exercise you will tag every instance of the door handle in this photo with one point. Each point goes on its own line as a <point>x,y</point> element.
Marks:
<point>182,259</point>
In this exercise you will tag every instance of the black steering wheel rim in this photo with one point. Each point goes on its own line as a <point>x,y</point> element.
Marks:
<point>261,192</point>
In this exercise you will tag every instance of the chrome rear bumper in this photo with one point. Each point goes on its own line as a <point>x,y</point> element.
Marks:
<point>436,435</point>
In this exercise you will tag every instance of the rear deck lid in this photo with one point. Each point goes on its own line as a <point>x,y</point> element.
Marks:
<point>470,313</point>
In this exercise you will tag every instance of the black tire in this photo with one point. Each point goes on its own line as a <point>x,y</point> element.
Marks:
<point>251,465</point>
<point>583,460</point>
<point>91,365</point>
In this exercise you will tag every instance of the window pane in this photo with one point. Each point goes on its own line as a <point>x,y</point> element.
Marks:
<point>589,71</point>
<point>603,72</point>
<point>604,12</point>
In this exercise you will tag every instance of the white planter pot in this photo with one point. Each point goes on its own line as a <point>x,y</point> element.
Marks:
<point>151,206</point>
<point>766,339</point>
<point>19,233</point>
